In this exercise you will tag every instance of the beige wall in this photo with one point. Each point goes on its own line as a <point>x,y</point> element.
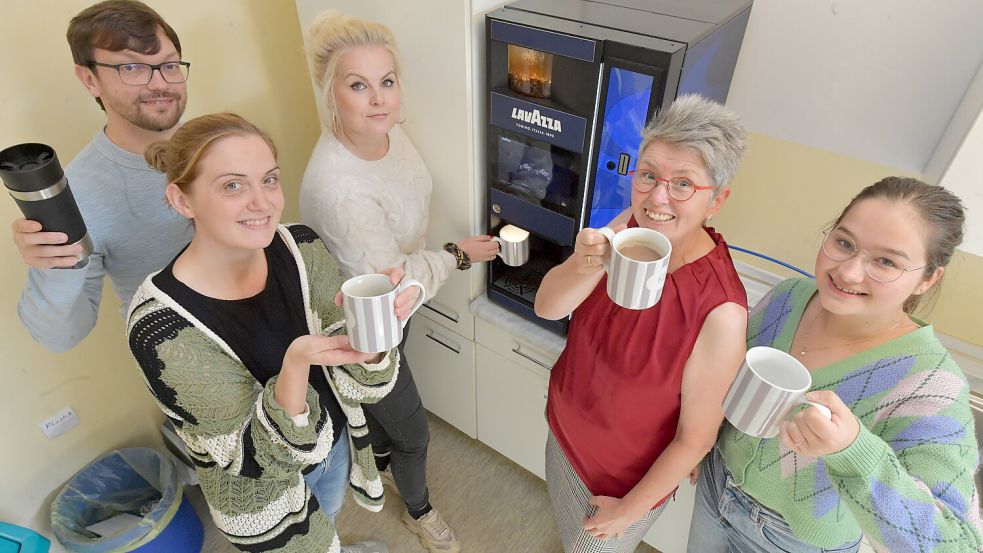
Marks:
<point>785,193</point>
<point>246,57</point>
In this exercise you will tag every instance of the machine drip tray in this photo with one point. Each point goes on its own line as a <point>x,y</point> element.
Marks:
<point>524,281</point>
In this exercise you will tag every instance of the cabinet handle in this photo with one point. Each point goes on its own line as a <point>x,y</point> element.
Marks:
<point>455,349</point>
<point>518,351</point>
<point>450,317</point>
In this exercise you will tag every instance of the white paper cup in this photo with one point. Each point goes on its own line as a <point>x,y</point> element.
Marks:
<point>768,386</point>
<point>370,311</point>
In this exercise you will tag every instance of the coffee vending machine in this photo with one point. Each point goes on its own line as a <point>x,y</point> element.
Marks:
<point>571,84</point>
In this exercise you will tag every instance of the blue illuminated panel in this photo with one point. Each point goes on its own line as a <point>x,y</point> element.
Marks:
<point>625,110</point>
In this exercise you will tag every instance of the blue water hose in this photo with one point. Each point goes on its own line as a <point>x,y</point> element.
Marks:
<point>769,258</point>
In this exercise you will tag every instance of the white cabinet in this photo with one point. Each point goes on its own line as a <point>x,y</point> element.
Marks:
<point>443,367</point>
<point>670,534</point>
<point>513,377</point>
<point>511,400</point>
<point>450,306</point>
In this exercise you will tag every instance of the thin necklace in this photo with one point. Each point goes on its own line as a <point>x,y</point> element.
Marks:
<point>805,349</point>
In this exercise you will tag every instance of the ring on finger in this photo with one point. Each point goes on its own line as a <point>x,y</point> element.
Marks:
<point>589,264</point>
<point>799,443</point>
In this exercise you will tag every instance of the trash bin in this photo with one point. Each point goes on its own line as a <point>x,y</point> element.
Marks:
<point>127,500</point>
<point>15,539</point>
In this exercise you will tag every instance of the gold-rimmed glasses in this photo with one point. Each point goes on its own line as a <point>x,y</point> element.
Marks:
<point>883,266</point>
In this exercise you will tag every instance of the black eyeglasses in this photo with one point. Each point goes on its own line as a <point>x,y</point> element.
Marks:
<point>139,74</point>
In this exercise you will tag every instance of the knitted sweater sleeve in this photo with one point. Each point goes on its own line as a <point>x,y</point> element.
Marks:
<point>355,225</point>
<point>358,382</point>
<point>908,477</point>
<point>227,420</point>
<point>59,307</point>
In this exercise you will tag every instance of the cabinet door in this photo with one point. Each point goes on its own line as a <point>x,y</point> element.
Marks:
<point>670,534</point>
<point>451,305</point>
<point>443,366</point>
<point>511,400</point>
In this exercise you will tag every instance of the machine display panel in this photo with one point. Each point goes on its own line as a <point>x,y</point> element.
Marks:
<point>537,172</point>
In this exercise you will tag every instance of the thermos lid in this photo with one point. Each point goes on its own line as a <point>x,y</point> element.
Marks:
<point>30,167</point>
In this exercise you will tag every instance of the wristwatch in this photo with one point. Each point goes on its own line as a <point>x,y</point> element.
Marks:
<point>463,261</point>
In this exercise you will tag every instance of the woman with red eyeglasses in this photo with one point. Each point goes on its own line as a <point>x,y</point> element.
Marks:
<point>635,399</point>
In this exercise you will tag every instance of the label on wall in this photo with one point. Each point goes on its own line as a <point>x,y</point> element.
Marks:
<point>556,127</point>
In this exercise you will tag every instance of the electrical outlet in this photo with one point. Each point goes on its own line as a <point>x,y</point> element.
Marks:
<point>59,423</point>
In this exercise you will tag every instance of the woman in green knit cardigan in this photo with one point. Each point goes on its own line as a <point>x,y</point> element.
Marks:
<point>240,342</point>
<point>896,461</point>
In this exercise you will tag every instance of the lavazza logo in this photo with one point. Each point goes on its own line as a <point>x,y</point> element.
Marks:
<point>535,118</point>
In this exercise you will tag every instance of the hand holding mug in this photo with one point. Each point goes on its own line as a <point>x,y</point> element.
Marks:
<point>768,386</point>
<point>810,432</point>
<point>479,248</point>
<point>637,266</point>
<point>407,300</point>
<point>309,350</point>
<point>377,307</point>
<point>404,300</point>
<point>591,249</point>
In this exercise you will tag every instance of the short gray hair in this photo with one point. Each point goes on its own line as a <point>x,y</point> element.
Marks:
<point>696,123</point>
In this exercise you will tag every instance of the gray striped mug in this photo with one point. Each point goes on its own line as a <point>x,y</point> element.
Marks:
<point>637,267</point>
<point>513,245</point>
<point>370,311</point>
<point>768,386</point>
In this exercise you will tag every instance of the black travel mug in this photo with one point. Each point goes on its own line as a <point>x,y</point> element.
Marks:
<point>36,181</point>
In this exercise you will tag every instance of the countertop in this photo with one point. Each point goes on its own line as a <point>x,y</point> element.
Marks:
<point>535,335</point>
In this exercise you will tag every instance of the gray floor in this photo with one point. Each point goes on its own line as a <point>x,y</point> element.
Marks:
<point>494,505</point>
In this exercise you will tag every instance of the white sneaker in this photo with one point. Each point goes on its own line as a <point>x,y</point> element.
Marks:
<point>365,547</point>
<point>433,532</point>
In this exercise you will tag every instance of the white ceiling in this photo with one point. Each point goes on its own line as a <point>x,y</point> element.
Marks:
<point>877,80</point>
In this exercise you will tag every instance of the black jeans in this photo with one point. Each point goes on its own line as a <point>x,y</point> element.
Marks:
<point>398,424</point>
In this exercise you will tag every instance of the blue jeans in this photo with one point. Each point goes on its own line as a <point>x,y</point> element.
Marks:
<point>329,479</point>
<point>726,520</point>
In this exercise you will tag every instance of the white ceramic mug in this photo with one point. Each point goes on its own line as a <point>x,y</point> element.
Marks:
<point>513,245</point>
<point>768,386</point>
<point>638,266</point>
<point>370,311</point>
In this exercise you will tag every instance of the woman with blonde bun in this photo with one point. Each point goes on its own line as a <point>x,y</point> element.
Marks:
<point>366,192</point>
<point>241,342</point>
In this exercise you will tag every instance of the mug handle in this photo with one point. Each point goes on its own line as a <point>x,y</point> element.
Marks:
<point>609,234</point>
<point>501,245</point>
<point>403,285</point>
<point>822,408</point>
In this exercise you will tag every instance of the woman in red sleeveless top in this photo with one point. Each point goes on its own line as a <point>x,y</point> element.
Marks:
<point>635,398</point>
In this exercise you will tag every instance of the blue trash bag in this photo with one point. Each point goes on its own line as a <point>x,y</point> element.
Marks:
<point>126,481</point>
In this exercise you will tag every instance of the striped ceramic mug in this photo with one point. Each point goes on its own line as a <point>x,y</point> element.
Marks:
<point>768,386</point>
<point>370,311</point>
<point>638,266</point>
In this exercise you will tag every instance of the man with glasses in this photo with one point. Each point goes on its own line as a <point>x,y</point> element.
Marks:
<point>129,59</point>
